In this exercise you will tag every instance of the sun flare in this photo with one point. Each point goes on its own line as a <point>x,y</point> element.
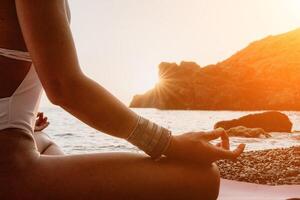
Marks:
<point>147,80</point>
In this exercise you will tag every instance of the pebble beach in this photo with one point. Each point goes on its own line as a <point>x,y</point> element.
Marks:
<point>280,166</point>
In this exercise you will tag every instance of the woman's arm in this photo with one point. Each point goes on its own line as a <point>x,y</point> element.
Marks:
<point>49,40</point>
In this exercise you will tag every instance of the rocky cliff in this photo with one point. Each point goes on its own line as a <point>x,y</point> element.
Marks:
<point>264,75</point>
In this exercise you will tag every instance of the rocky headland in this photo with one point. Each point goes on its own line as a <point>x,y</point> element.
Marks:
<point>263,76</point>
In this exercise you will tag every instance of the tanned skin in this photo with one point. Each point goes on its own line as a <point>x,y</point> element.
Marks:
<point>42,29</point>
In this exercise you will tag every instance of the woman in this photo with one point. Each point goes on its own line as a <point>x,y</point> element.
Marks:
<point>181,167</point>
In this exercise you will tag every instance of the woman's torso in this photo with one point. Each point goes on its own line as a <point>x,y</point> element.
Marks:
<point>12,72</point>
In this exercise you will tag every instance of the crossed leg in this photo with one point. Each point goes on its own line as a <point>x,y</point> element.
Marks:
<point>118,176</point>
<point>25,174</point>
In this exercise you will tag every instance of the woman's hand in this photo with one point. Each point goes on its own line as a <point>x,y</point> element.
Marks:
<point>41,122</point>
<point>195,147</point>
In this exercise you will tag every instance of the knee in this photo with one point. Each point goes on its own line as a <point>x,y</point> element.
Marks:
<point>214,183</point>
<point>211,180</point>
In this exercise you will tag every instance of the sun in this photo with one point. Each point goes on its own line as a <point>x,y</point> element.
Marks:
<point>147,80</point>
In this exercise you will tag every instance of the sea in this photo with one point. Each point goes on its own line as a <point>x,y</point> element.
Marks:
<point>75,137</point>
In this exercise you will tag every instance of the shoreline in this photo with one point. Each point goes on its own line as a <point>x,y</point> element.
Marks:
<point>280,166</point>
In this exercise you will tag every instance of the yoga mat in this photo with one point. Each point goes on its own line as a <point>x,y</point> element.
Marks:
<point>234,190</point>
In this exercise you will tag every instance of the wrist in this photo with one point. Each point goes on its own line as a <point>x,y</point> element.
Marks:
<point>169,152</point>
<point>154,140</point>
<point>134,127</point>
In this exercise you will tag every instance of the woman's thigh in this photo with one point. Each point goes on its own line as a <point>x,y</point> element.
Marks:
<point>117,176</point>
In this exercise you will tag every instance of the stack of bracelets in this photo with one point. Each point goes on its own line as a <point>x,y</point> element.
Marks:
<point>150,138</point>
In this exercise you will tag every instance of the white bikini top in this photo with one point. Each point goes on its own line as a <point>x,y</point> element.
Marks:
<point>20,109</point>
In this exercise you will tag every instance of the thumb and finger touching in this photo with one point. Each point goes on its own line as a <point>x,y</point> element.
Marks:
<point>41,122</point>
<point>219,133</point>
<point>227,154</point>
<point>222,149</point>
<point>215,134</point>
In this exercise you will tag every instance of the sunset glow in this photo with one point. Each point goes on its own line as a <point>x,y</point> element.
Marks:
<point>121,43</point>
<point>295,7</point>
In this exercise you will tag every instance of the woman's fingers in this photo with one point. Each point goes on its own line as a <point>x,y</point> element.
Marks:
<point>225,141</point>
<point>226,154</point>
<point>41,122</point>
<point>40,118</point>
<point>45,125</point>
<point>223,144</point>
<point>215,134</point>
<point>38,121</point>
<point>40,115</point>
<point>41,127</point>
<point>45,120</point>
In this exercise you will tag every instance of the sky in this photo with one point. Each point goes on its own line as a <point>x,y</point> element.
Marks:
<point>120,43</point>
